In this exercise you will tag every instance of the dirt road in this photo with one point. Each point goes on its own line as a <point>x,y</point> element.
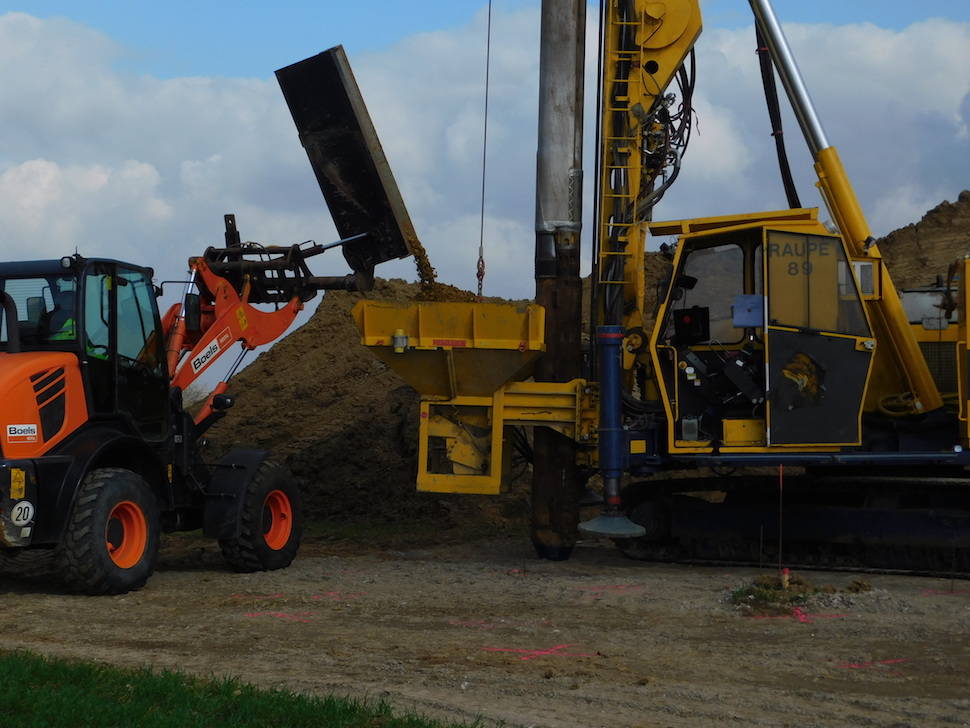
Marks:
<point>484,629</point>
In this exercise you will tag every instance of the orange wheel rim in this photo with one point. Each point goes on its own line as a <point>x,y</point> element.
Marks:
<point>126,534</point>
<point>277,519</point>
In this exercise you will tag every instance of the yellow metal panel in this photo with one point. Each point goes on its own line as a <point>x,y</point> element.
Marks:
<point>638,447</point>
<point>703,224</point>
<point>471,431</point>
<point>744,432</point>
<point>887,314</point>
<point>447,350</point>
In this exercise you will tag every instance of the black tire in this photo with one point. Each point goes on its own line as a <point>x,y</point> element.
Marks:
<point>99,553</point>
<point>269,534</point>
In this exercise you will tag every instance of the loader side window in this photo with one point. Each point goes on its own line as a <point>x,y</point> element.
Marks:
<point>45,311</point>
<point>142,382</point>
<point>138,338</point>
<point>97,344</point>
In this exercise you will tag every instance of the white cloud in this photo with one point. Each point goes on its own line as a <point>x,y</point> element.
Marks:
<point>143,168</point>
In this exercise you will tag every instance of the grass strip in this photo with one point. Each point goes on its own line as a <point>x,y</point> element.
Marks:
<point>43,692</point>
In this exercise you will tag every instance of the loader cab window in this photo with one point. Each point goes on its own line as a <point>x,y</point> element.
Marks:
<point>124,348</point>
<point>142,380</point>
<point>46,312</point>
<point>97,331</point>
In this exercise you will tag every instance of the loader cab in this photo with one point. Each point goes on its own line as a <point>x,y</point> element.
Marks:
<point>105,312</point>
<point>762,341</point>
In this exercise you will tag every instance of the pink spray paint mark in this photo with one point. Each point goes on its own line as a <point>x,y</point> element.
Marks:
<point>556,651</point>
<point>305,617</point>
<point>877,664</point>
<point>945,592</point>
<point>800,616</point>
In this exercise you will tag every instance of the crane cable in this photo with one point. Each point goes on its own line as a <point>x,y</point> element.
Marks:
<point>480,270</point>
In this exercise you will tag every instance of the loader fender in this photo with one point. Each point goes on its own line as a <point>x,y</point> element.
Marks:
<point>224,496</point>
<point>92,447</point>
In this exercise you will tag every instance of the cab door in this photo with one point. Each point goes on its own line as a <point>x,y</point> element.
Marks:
<point>818,342</point>
<point>142,374</point>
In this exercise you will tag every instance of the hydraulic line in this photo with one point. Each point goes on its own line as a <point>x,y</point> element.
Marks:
<point>774,114</point>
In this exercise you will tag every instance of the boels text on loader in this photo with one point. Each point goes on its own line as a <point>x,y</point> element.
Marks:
<point>97,454</point>
<point>777,342</point>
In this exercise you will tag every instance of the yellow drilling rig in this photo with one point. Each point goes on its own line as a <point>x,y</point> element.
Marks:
<point>777,341</point>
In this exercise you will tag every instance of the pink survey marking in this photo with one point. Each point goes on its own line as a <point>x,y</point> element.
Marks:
<point>945,592</point>
<point>556,651</point>
<point>800,616</point>
<point>874,663</point>
<point>304,617</point>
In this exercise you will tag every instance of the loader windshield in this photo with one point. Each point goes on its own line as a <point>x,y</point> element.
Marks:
<point>45,311</point>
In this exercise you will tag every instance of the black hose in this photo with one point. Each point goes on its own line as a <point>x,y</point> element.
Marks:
<point>13,325</point>
<point>774,114</point>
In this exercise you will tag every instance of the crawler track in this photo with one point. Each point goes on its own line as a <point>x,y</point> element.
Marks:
<point>898,523</point>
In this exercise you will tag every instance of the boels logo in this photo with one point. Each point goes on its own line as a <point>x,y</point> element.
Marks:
<point>203,359</point>
<point>21,433</point>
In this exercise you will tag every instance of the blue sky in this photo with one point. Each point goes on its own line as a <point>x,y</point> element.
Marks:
<point>130,128</point>
<point>191,38</point>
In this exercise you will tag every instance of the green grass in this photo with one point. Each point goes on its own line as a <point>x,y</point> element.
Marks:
<point>40,692</point>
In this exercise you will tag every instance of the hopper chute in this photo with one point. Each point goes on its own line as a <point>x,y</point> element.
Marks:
<point>448,350</point>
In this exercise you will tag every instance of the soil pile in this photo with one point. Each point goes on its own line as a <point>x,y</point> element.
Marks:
<point>343,422</point>
<point>918,253</point>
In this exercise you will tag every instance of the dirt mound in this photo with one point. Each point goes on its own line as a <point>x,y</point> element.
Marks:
<point>918,253</point>
<point>343,422</point>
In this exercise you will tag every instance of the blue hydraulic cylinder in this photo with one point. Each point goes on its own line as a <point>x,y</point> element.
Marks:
<point>612,439</point>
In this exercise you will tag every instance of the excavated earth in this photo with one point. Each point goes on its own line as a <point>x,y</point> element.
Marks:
<point>918,253</point>
<point>437,604</point>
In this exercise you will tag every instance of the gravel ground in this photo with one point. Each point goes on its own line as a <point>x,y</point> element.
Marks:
<point>485,630</point>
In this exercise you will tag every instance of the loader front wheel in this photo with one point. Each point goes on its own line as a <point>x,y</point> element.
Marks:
<point>270,522</point>
<point>111,542</point>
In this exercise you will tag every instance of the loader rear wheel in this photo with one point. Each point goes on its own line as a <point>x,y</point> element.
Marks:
<point>111,542</point>
<point>271,522</point>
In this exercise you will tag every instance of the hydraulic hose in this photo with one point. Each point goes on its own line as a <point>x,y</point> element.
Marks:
<point>774,114</point>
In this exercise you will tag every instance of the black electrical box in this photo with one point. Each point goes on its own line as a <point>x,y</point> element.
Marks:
<point>692,325</point>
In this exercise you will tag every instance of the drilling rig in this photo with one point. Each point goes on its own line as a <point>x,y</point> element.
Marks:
<point>779,350</point>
